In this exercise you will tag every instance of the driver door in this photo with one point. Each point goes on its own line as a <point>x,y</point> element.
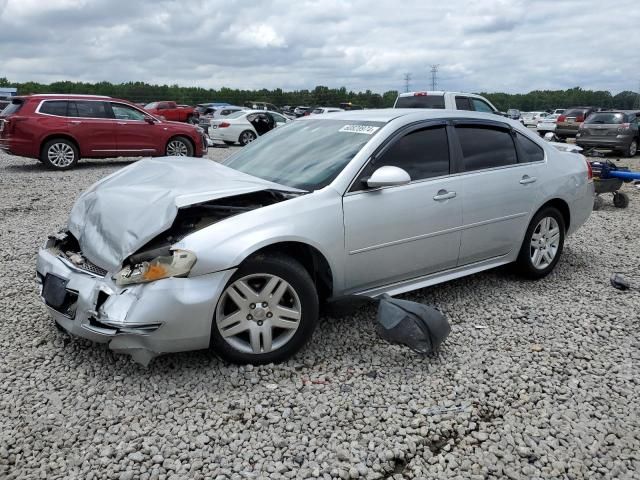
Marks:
<point>404,231</point>
<point>133,134</point>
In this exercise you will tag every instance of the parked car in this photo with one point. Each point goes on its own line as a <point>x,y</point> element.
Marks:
<point>245,126</point>
<point>558,111</point>
<point>568,122</point>
<point>171,111</point>
<point>3,105</point>
<point>547,124</point>
<point>615,130</point>
<point>513,114</point>
<point>347,106</point>
<point>211,113</point>
<point>239,256</point>
<point>531,119</point>
<point>322,110</point>
<point>58,130</point>
<point>301,111</point>
<point>253,105</point>
<point>447,100</point>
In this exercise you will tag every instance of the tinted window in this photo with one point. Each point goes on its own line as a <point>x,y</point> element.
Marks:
<point>481,106</point>
<point>278,118</point>
<point>86,109</point>
<point>531,152</point>
<point>576,112</point>
<point>12,107</point>
<point>420,101</point>
<point>125,112</point>
<point>423,154</point>
<point>486,147</point>
<point>54,107</point>
<point>463,103</point>
<point>606,118</point>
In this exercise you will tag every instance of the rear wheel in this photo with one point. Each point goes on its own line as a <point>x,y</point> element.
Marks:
<point>267,312</point>
<point>246,137</point>
<point>59,154</point>
<point>631,149</point>
<point>620,200</point>
<point>543,243</point>
<point>179,147</point>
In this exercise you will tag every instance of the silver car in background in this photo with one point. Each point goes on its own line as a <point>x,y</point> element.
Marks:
<point>165,255</point>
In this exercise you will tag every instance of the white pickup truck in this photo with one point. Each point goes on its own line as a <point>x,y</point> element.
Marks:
<point>445,100</point>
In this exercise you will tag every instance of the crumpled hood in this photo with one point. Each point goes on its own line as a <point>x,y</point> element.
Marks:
<point>125,210</point>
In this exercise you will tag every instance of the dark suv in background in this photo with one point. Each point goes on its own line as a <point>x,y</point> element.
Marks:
<point>614,130</point>
<point>58,130</point>
<point>568,122</point>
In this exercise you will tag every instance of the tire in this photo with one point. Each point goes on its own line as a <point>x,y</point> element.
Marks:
<point>631,149</point>
<point>246,137</point>
<point>59,154</point>
<point>179,147</point>
<point>620,200</point>
<point>229,143</point>
<point>242,330</point>
<point>538,265</point>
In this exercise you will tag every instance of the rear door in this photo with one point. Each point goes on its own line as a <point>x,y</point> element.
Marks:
<point>405,231</point>
<point>500,188</point>
<point>92,124</point>
<point>134,134</point>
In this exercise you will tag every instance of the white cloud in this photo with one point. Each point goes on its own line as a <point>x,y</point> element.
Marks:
<point>493,45</point>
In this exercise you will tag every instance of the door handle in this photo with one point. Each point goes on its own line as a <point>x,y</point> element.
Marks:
<point>75,122</point>
<point>122,123</point>
<point>444,195</point>
<point>527,179</point>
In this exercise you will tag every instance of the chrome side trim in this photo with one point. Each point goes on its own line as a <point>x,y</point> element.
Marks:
<point>435,234</point>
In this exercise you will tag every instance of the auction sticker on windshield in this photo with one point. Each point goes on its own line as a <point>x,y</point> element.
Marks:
<point>366,129</point>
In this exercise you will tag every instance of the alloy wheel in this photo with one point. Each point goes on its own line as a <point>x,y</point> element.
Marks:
<point>176,148</point>
<point>61,155</point>
<point>544,243</point>
<point>247,137</point>
<point>258,313</point>
<point>633,148</point>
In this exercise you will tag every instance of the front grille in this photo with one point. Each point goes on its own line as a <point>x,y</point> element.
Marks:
<point>90,267</point>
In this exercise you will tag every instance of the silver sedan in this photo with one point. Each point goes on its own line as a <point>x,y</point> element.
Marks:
<point>169,255</point>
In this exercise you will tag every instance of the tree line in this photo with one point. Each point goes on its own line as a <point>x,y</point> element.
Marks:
<point>141,92</point>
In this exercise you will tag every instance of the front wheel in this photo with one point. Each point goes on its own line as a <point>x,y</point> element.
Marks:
<point>542,245</point>
<point>179,147</point>
<point>266,313</point>
<point>246,137</point>
<point>59,154</point>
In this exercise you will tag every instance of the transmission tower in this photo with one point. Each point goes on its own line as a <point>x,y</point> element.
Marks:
<point>407,81</point>
<point>434,77</point>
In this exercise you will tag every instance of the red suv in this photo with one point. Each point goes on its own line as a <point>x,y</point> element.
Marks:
<point>60,129</point>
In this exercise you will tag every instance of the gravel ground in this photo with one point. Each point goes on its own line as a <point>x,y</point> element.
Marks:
<point>537,380</point>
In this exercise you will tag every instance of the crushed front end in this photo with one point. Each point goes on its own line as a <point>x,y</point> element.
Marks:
<point>143,320</point>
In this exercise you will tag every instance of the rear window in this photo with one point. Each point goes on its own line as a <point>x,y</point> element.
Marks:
<point>54,107</point>
<point>531,152</point>
<point>87,109</point>
<point>13,107</point>
<point>420,101</point>
<point>607,118</point>
<point>575,112</point>
<point>486,147</point>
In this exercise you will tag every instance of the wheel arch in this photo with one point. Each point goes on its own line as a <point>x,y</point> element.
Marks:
<point>64,136</point>
<point>311,259</point>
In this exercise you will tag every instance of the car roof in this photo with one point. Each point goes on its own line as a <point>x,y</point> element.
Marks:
<point>436,92</point>
<point>386,115</point>
<point>64,96</point>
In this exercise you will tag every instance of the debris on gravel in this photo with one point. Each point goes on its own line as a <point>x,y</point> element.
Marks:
<point>537,379</point>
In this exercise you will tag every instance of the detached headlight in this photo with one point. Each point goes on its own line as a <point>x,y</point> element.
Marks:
<point>176,265</point>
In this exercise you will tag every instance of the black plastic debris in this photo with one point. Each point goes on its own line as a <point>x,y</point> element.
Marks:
<point>620,282</point>
<point>420,327</point>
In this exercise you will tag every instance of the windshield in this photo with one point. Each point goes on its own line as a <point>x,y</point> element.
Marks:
<point>420,101</point>
<point>305,154</point>
<point>606,118</point>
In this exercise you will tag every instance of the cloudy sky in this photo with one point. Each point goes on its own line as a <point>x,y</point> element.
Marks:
<point>488,45</point>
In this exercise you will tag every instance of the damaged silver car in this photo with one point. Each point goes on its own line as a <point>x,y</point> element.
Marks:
<point>167,256</point>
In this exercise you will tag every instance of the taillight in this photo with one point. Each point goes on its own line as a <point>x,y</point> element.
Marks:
<point>224,125</point>
<point>623,127</point>
<point>589,171</point>
<point>580,118</point>
<point>562,118</point>
<point>420,94</point>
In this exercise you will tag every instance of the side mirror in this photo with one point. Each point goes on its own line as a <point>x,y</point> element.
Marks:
<point>388,176</point>
<point>150,120</point>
